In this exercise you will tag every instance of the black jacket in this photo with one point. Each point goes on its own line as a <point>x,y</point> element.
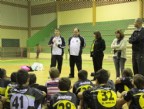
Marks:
<point>98,46</point>
<point>137,41</point>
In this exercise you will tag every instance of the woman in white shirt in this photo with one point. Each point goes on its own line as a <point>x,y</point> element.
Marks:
<point>119,45</point>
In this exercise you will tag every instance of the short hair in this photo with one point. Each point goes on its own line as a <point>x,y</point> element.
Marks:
<point>22,77</point>
<point>82,74</point>
<point>54,72</point>
<point>77,29</point>
<point>102,76</point>
<point>98,34</point>
<point>14,77</point>
<point>64,84</point>
<point>120,32</point>
<point>139,20</point>
<point>2,73</point>
<point>127,72</point>
<point>139,81</point>
<point>32,79</point>
<point>57,29</point>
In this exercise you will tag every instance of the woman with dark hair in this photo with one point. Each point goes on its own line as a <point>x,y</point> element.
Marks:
<point>119,45</point>
<point>97,48</point>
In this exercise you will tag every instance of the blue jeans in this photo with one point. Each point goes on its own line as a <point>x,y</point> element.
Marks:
<point>119,65</point>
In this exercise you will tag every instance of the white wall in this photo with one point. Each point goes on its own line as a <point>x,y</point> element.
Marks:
<point>42,19</point>
<point>21,2</point>
<point>103,13</point>
<point>14,34</point>
<point>41,2</point>
<point>118,12</point>
<point>17,17</point>
<point>13,16</point>
<point>34,32</point>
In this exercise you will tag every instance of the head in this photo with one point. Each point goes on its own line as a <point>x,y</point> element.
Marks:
<point>54,72</point>
<point>102,76</point>
<point>127,72</point>
<point>82,75</point>
<point>32,79</point>
<point>97,35</point>
<point>138,81</point>
<point>2,73</point>
<point>138,22</point>
<point>57,32</point>
<point>64,84</point>
<point>76,32</point>
<point>119,34</point>
<point>22,77</point>
<point>14,77</point>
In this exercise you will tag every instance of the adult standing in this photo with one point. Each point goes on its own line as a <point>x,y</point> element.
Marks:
<point>57,44</point>
<point>76,44</point>
<point>97,48</point>
<point>137,41</point>
<point>119,45</point>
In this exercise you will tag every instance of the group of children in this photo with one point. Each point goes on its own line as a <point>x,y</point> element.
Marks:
<point>21,91</point>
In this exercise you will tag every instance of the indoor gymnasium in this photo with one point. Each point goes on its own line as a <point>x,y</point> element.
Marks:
<point>78,39</point>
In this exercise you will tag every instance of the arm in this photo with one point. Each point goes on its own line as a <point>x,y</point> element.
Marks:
<point>74,89</point>
<point>50,42</point>
<point>39,95</point>
<point>127,97</point>
<point>69,43</point>
<point>102,46</point>
<point>63,43</point>
<point>122,45</point>
<point>120,103</point>
<point>113,45</point>
<point>83,43</point>
<point>85,98</point>
<point>135,38</point>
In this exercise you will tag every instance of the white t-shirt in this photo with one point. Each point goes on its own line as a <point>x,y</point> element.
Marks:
<point>75,46</point>
<point>55,49</point>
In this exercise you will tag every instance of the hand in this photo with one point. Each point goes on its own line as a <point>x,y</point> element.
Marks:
<point>44,94</point>
<point>50,45</point>
<point>56,44</point>
<point>3,99</point>
<point>54,40</point>
<point>118,80</point>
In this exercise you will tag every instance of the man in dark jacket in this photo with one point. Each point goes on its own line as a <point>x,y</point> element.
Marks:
<point>76,44</point>
<point>137,41</point>
<point>57,44</point>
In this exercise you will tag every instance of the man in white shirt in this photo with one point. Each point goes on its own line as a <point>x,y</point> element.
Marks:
<point>76,44</point>
<point>57,44</point>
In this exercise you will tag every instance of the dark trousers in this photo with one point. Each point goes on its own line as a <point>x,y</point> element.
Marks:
<point>75,60</point>
<point>119,65</point>
<point>138,63</point>
<point>97,62</point>
<point>57,59</point>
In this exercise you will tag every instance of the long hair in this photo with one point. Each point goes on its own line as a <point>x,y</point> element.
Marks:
<point>121,33</point>
<point>97,34</point>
